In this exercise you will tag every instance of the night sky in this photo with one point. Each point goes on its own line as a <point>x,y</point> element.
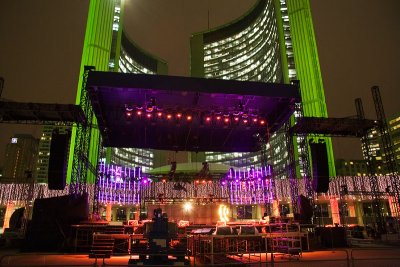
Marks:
<point>41,45</point>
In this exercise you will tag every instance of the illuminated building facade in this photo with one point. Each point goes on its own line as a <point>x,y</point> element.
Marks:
<point>359,167</point>
<point>375,151</point>
<point>351,167</point>
<point>377,154</point>
<point>132,59</point>
<point>42,166</point>
<point>20,159</point>
<point>128,57</point>
<point>108,49</point>
<point>96,52</point>
<point>273,42</point>
<point>394,128</point>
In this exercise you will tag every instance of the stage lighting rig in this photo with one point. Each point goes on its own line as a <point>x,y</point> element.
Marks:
<point>151,105</point>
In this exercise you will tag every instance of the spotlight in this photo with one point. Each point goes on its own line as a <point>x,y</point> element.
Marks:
<point>139,113</point>
<point>188,117</point>
<point>218,117</point>
<point>208,119</point>
<point>223,212</point>
<point>169,116</point>
<point>245,121</point>
<point>148,115</point>
<point>255,120</point>
<point>262,122</point>
<point>187,206</point>
<point>159,114</point>
<point>149,108</point>
<point>151,105</point>
<point>236,119</point>
<point>179,115</point>
<point>226,120</point>
<point>128,110</point>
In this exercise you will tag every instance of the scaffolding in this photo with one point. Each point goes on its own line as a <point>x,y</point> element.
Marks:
<point>387,146</point>
<point>81,165</point>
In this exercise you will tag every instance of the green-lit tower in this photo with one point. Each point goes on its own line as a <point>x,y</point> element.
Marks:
<point>272,42</point>
<point>306,63</point>
<point>100,26</point>
<point>107,48</point>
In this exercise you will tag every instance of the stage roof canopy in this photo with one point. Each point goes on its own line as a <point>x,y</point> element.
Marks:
<point>187,114</point>
<point>40,113</point>
<point>349,127</point>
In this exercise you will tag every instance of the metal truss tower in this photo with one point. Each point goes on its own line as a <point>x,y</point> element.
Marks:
<point>80,162</point>
<point>303,158</point>
<point>387,146</point>
<point>371,165</point>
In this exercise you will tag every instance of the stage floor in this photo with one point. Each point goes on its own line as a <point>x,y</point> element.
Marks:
<point>382,256</point>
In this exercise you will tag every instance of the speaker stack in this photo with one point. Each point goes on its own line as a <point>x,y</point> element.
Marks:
<point>320,168</point>
<point>57,171</point>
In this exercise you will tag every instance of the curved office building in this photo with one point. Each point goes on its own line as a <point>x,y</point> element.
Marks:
<point>246,49</point>
<point>272,42</point>
<point>132,59</point>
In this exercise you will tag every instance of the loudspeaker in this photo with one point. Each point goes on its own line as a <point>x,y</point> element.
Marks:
<point>57,171</point>
<point>305,209</point>
<point>320,168</point>
<point>51,222</point>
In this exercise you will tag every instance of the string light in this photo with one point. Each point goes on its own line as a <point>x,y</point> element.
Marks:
<point>259,187</point>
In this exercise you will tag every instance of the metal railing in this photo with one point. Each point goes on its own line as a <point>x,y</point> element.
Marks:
<point>357,257</point>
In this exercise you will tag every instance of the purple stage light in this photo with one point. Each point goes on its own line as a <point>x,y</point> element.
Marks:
<point>115,185</point>
<point>247,186</point>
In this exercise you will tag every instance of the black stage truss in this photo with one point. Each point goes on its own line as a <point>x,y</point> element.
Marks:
<point>356,127</point>
<point>116,97</point>
<point>339,127</point>
<point>41,113</point>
